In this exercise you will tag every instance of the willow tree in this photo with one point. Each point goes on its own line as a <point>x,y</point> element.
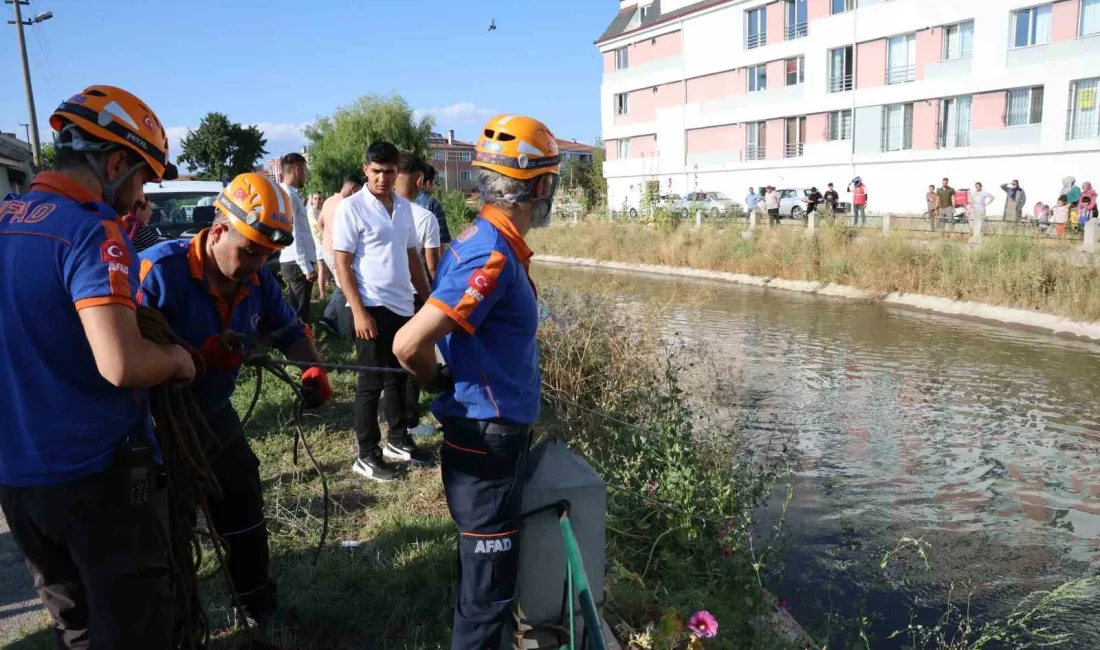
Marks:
<point>338,144</point>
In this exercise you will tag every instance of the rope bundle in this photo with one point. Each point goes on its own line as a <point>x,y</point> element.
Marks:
<point>185,441</point>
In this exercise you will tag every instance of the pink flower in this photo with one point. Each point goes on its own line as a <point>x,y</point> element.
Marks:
<point>652,486</point>
<point>703,624</point>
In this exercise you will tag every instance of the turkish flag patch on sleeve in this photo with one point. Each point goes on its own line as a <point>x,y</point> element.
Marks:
<point>114,252</point>
<point>481,283</point>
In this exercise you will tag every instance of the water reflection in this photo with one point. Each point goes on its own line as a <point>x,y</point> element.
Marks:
<point>982,440</point>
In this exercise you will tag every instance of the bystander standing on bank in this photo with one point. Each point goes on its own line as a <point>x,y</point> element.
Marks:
<point>859,201</point>
<point>931,205</point>
<point>297,261</point>
<point>426,199</point>
<point>771,203</point>
<point>813,199</point>
<point>751,199</point>
<point>945,200</point>
<point>375,246</point>
<point>337,319</point>
<point>1015,197</point>
<point>979,201</point>
<point>832,201</point>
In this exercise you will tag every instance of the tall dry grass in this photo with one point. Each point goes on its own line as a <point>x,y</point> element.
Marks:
<point>1008,271</point>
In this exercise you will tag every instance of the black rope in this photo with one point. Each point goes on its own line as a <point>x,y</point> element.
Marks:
<point>278,369</point>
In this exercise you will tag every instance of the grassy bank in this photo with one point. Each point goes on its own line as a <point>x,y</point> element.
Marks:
<point>1007,271</point>
<point>678,521</point>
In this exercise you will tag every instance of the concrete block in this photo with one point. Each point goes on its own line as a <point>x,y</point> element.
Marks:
<point>1090,244</point>
<point>886,225</point>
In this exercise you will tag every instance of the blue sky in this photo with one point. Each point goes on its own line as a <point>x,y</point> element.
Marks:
<point>279,64</point>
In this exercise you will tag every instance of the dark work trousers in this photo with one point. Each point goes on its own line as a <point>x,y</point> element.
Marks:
<point>412,387</point>
<point>300,289</point>
<point>338,312</point>
<point>378,353</point>
<point>484,465</point>
<point>99,563</point>
<point>238,516</point>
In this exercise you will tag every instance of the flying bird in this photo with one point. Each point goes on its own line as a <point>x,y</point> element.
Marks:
<point>492,24</point>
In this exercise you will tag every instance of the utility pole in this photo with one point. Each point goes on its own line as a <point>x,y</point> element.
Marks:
<point>27,128</point>
<point>32,130</point>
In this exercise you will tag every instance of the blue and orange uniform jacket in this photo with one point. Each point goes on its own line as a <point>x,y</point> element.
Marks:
<point>483,284</point>
<point>173,282</point>
<point>61,251</point>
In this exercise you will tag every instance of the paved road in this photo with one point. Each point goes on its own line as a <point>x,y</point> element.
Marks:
<point>20,611</point>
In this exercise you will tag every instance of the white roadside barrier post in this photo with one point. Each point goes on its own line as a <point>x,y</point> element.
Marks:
<point>698,218</point>
<point>1089,245</point>
<point>748,234</point>
<point>886,224</point>
<point>811,223</point>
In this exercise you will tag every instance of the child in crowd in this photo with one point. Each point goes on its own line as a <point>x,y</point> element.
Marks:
<point>1086,211</point>
<point>1061,215</point>
<point>1042,215</point>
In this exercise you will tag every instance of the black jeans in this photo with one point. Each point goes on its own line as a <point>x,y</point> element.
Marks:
<point>378,353</point>
<point>484,465</point>
<point>238,516</point>
<point>300,289</point>
<point>99,563</point>
<point>412,387</point>
<point>338,313</point>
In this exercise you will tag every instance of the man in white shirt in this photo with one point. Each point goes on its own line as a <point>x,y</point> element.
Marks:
<point>298,261</point>
<point>410,172</point>
<point>375,244</point>
<point>771,202</point>
<point>978,201</point>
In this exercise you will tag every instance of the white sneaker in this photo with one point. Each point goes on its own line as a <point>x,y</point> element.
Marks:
<point>422,430</point>
<point>374,468</point>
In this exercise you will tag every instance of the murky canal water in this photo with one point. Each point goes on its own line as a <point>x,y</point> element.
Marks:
<point>983,441</point>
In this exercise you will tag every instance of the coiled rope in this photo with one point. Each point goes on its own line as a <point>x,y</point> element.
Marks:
<point>185,441</point>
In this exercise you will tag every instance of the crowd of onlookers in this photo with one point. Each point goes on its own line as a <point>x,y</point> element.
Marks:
<point>1074,207</point>
<point>767,202</point>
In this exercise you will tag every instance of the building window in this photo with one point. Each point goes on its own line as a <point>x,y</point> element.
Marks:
<point>796,19</point>
<point>758,78</point>
<point>622,149</point>
<point>1024,106</point>
<point>756,30</point>
<point>1031,26</point>
<point>622,104</point>
<point>1084,117</point>
<point>795,137</point>
<point>897,127</point>
<point>622,58</point>
<point>755,142</point>
<point>839,126</point>
<point>796,72</point>
<point>466,175</point>
<point>958,41</point>
<point>840,6</point>
<point>646,10</point>
<point>901,59</point>
<point>465,156</point>
<point>840,69</point>
<point>1090,17</point>
<point>954,128</point>
<point>439,156</point>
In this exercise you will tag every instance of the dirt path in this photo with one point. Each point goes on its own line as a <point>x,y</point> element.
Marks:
<point>20,611</point>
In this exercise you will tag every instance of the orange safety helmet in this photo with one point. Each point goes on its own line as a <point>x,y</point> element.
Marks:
<point>259,210</point>
<point>518,147</point>
<point>114,115</point>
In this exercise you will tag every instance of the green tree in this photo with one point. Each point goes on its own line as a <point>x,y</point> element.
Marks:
<point>338,144</point>
<point>220,149</point>
<point>48,154</point>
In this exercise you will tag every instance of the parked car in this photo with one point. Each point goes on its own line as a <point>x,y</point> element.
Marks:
<point>174,204</point>
<point>713,204</point>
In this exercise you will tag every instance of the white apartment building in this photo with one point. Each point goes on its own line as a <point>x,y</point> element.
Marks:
<point>721,95</point>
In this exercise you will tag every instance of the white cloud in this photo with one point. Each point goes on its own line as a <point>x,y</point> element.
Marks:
<point>281,138</point>
<point>457,114</point>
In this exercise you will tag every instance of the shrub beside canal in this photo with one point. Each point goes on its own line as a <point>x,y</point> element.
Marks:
<point>1008,271</point>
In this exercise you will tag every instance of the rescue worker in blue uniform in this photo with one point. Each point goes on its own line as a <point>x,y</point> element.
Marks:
<point>218,295</point>
<point>78,479</point>
<point>483,315</point>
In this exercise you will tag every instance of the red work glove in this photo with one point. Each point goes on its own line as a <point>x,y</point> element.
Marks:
<point>222,352</point>
<point>315,388</point>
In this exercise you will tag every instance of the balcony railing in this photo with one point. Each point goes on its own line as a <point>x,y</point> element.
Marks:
<point>798,30</point>
<point>755,152</point>
<point>840,84</point>
<point>753,41</point>
<point>793,150</point>
<point>901,74</point>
